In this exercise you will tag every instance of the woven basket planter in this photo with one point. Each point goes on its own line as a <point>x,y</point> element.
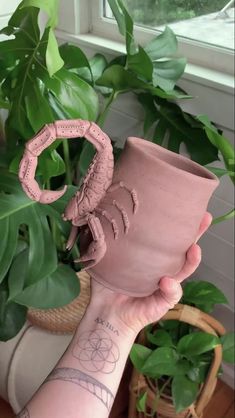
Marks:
<point>165,408</point>
<point>66,319</point>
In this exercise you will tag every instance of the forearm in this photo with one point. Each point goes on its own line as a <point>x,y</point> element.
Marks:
<point>87,377</point>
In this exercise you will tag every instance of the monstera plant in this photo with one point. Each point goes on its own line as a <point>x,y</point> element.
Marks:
<point>40,83</point>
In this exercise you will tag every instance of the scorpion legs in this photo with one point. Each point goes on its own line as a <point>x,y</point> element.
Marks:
<point>97,248</point>
<point>132,192</point>
<point>110,219</point>
<point>72,237</point>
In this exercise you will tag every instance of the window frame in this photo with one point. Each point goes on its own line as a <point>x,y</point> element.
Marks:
<point>209,56</point>
<point>82,21</point>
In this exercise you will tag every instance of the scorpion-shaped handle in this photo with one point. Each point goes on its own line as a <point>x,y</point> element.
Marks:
<point>79,209</point>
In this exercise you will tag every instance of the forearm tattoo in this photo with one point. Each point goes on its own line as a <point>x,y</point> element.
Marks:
<point>86,382</point>
<point>107,324</point>
<point>23,414</point>
<point>96,351</point>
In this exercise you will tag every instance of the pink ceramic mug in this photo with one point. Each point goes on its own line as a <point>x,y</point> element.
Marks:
<point>135,224</point>
<point>157,212</point>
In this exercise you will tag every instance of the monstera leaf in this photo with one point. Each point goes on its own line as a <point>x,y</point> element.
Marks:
<point>34,83</point>
<point>150,69</point>
<point>39,268</point>
<point>12,315</point>
<point>121,80</point>
<point>154,63</point>
<point>125,24</point>
<point>169,119</point>
<point>25,50</point>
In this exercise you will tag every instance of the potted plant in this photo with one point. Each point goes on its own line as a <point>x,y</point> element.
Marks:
<point>178,359</point>
<point>40,83</point>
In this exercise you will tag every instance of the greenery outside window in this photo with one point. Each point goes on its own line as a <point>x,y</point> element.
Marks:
<point>200,20</point>
<point>205,29</point>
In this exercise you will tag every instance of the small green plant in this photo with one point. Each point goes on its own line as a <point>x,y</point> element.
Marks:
<point>177,355</point>
<point>40,83</point>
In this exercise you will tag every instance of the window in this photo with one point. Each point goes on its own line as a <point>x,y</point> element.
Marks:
<point>205,28</point>
<point>6,9</point>
<point>206,21</point>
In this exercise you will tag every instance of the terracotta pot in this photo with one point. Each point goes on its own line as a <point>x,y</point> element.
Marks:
<point>156,213</point>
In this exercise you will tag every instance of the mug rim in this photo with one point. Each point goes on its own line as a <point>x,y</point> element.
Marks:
<point>200,172</point>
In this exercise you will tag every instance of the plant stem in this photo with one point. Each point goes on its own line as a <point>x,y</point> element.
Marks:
<point>160,391</point>
<point>222,218</point>
<point>68,173</point>
<point>102,116</point>
<point>164,385</point>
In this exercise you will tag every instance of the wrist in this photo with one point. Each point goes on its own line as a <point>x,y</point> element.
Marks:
<point>106,314</point>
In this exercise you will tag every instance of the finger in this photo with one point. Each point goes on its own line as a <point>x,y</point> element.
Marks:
<point>193,259</point>
<point>205,223</point>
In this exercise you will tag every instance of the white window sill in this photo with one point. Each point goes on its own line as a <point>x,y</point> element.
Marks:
<point>195,73</point>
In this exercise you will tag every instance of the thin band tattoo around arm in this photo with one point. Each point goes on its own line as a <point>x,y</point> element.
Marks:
<point>86,382</point>
<point>23,414</point>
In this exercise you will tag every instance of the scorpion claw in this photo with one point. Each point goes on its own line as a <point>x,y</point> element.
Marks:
<point>98,179</point>
<point>97,247</point>
<point>72,128</point>
<point>27,170</point>
<point>28,166</point>
<point>91,258</point>
<point>86,264</point>
<point>72,237</point>
<point>32,190</point>
<point>44,138</point>
<point>49,196</point>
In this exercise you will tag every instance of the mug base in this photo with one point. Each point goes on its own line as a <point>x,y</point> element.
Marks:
<point>121,290</point>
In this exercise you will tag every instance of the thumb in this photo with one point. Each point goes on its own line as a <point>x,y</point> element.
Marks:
<point>170,290</point>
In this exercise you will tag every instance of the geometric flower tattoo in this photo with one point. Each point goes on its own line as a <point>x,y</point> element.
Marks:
<point>96,351</point>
